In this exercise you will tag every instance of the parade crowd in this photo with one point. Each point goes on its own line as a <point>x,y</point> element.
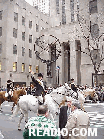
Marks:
<point>70,115</point>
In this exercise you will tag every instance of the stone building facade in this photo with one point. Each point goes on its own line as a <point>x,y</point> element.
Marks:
<point>21,25</point>
<point>78,24</point>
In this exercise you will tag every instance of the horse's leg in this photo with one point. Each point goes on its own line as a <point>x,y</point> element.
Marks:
<point>21,117</point>
<point>0,108</point>
<point>26,116</point>
<point>13,107</point>
<point>82,107</point>
<point>51,117</point>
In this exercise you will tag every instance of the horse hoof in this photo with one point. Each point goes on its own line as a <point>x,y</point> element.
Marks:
<point>12,111</point>
<point>19,129</point>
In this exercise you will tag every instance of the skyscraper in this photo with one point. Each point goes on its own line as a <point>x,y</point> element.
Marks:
<point>42,5</point>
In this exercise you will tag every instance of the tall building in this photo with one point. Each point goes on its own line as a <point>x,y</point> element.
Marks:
<point>20,24</point>
<point>42,5</point>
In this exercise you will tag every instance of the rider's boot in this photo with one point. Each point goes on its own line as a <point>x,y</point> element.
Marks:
<point>40,103</point>
<point>43,99</point>
<point>9,98</point>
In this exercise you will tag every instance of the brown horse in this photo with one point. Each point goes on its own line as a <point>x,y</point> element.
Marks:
<point>16,95</point>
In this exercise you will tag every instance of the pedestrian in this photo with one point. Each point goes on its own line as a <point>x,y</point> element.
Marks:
<point>77,119</point>
<point>40,92</point>
<point>40,122</point>
<point>65,111</point>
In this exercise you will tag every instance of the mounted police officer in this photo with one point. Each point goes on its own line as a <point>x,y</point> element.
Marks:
<point>9,89</point>
<point>40,92</point>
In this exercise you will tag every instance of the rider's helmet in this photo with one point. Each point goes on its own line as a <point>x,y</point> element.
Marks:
<point>9,81</point>
<point>40,75</point>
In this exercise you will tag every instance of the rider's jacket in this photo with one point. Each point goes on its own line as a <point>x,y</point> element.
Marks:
<point>9,85</point>
<point>39,86</point>
<point>73,87</point>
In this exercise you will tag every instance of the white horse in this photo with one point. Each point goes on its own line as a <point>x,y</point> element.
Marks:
<point>30,102</point>
<point>59,95</point>
<point>73,94</point>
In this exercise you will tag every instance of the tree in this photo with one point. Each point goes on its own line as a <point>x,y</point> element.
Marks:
<point>93,35</point>
<point>93,38</point>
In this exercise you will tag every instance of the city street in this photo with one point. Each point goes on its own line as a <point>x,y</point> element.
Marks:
<point>9,128</point>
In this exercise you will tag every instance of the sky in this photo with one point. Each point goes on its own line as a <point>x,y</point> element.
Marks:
<point>29,1</point>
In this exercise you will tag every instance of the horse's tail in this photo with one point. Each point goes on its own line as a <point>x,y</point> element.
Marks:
<point>15,111</point>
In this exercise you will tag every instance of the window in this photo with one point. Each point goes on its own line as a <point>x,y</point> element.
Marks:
<point>34,47</point>
<point>95,31</point>
<point>49,72</point>
<point>30,53</point>
<point>93,6</point>
<point>23,36</point>
<point>30,24</point>
<point>0,65</point>
<point>37,69</point>
<point>23,67</point>
<point>30,68</point>
<point>37,28</point>
<point>14,33</point>
<point>15,17</point>
<point>0,47</point>
<point>0,15</point>
<point>14,49</point>
<point>30,38</point>
<point>57,6</point>
<point>63,12</point>
<point>72,10</point>
<point>23,21</point>
<point>23,51</point>
<point>14,66</point>
<point>0,31</point>
<point>95,54</point>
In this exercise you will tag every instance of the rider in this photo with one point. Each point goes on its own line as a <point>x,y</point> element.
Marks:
<point>73,86</point>
<point>39,86</point>
<point>9,88</point>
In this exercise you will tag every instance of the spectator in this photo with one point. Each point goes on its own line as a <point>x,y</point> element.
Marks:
<point>64,113</point>
<point>42,122</point>
<point>77,119</point>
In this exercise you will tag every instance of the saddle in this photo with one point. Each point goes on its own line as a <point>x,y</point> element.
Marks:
<point>9,95</point>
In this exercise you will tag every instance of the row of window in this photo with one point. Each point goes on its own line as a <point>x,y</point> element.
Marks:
<point>23,35</point>
<point>15,50</point>
<point>15,34</point>
<point>23,20</point>
<point>23,51</point>
<point>15,67</point>
<point>22,67</point>
<point>49,72</point>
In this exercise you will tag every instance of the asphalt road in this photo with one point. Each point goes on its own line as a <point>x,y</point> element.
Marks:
<point>9,128</point>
